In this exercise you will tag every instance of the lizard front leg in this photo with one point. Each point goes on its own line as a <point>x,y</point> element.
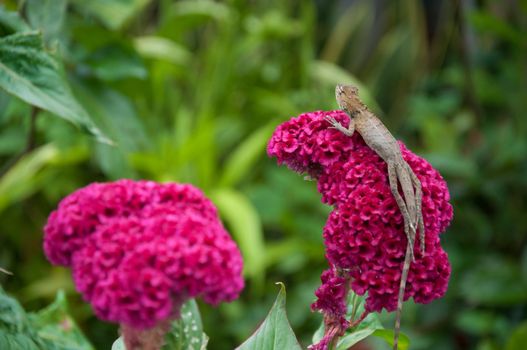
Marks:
<point>336,125</point>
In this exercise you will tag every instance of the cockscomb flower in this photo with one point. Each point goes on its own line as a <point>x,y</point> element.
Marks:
<point>364,235</point>
<point>139,249</point>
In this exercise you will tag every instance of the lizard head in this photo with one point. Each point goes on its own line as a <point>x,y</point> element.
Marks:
<point>348,99</point>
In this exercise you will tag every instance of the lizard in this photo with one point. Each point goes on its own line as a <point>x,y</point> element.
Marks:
<point>379,139</point>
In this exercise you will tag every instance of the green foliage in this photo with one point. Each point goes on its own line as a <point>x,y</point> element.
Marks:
<point>187,332</point>
<point>50,329</point>
<point>189,91</point>
<point>32,74</point>
<point>371,325</point>
<point>275,332</point>
<point>184,333</point>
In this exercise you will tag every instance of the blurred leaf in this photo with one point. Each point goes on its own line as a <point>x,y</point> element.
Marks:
<point>15,329</point>
<point>116,61</point>
<point>113,13</point>
<point>330,74</point>
<point>19,181</point>
<point>162,49</point>
<point>187,332</point>
<point>12,21</point>
<point>387,336</point>
<point>244,222</point>
<point>494,281</point>
<point>274,333</point>
<point>207,8</point>
<point>490,23</point>
<point>50,329</point>
<point>47,16</point>
<point>244,157</point>
<point>55,325</point>
<point>33,75</point>
<point>518,338</point>
<point>118,119</point>
<point>479,322</point>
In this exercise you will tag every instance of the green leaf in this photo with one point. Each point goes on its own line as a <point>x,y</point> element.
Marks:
<point>187,332</point>
<point>387,335</point>
<point>518,338</point>
<point>366,328</point>
<point>55,326</point>
<point>184,334</point>
<point>33,75</point>
<point>112,13</point>
<point>12,21</point>
<point>19,181</point>
<point>499,282</point>
<point>47,16</point>
<point>206,8</point>
<point>371,325</point>
<point>162,49</point>
<point>244,222</point>
<point>117,117</point>
<point>275,333</point>
<point>49,329</point>
<point>242,160</point>
<point>116,61</point>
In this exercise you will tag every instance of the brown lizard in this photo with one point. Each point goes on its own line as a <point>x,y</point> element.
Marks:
<point>379,138</point>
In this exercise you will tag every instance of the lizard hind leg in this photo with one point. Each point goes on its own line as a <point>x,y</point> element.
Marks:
<point>418,202</point>
<point>409,231</point>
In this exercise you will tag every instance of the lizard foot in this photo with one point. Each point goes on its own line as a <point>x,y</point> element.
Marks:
<point>337,125</point>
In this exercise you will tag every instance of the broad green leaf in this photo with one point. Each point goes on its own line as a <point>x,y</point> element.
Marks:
<point>518,338</point>
<point>12,21</point>
<point>20,181</point>
<point>55,326</point>
<point>187,332</point>
<point>33,75</point>
<point>16,331</point>
<point>112,13</point>
<point>244,222</point>
<point>387,335</point>
<point>275,333</point>
<point>162,49</point>
<point>245,156</point>
<point>366,328</point>
<point>46,16</point>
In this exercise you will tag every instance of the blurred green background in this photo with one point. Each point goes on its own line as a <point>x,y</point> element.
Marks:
<point>190,91</point>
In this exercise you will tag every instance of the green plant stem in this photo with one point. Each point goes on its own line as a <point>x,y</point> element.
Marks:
<point>354,306</point>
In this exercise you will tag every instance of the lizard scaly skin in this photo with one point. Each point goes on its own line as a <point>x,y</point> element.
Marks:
<point>379,138</point>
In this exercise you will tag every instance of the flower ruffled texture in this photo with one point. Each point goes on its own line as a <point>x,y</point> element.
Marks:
<point>138,249</point>
<point>364,233</point>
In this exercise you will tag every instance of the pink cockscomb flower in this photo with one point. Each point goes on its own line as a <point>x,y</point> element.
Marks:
<point>364,234</point>
<point>139,249</point>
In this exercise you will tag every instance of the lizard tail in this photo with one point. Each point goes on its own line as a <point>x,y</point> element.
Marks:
<point>400,299</point>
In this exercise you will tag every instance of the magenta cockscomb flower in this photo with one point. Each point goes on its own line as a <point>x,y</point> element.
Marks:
<point>138,250</point>
<point>364,234</point>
